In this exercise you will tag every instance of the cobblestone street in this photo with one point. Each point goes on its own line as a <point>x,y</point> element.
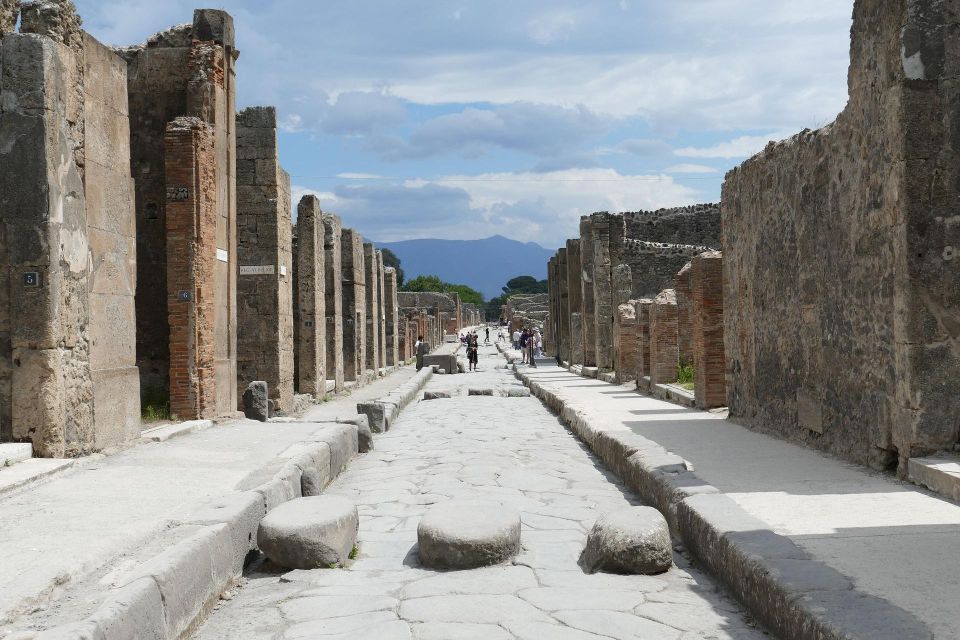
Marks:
<point>507,449</point>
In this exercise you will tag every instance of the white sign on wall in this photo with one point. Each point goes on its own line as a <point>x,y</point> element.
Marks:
<point>223,255</point>
<point>257,270</point>
<point>283,270</point>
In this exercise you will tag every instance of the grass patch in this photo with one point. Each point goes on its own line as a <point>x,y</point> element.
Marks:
<point>685,375</point>
<point>154,404</point>
<point>353,552</point>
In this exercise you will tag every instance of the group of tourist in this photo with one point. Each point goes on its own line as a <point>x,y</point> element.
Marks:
<point>529,343</point>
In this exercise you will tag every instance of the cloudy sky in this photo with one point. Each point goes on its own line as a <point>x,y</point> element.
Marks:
<point>461,119</point>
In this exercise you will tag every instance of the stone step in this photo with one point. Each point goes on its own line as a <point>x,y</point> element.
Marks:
<point>939,473</point>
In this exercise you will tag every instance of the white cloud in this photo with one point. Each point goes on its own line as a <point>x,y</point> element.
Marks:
<point>551,26</point>
<point>359,176</point>
<point>741,147</point>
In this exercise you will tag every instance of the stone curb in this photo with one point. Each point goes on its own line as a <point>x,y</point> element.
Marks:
<point>167,596</point>
<point>167,431</point>
<point>792,594</point>
<point>382,412</point>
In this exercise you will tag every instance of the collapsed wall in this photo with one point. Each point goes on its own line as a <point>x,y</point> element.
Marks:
<point>68,377</point>
<point>841,251</point>
<point>189,71</point>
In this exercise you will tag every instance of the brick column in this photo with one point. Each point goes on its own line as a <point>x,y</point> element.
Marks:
<point>333,299</point>
<point>710,385</point>
<point>643,306</point>
<point>264,285</point>
<point>663,338</point>
<point>311,296</point>
<point>625,342</point>
<point>191,231</point>
<point>682,285</point>
<point>392,323</point>
<point>354,305</point>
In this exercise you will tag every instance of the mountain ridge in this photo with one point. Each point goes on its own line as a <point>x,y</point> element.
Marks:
<point>497,259</point>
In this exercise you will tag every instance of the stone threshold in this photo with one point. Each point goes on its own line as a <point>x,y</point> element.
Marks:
<point>939,473</point>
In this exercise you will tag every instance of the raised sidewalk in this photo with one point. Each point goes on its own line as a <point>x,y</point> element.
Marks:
<point>814,546</point>
<point>69,540</point>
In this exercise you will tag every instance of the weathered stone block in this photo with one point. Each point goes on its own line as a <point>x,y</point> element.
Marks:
<point>255,401</point>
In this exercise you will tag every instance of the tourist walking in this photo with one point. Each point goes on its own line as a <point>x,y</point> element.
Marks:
<point>487,340</point>
<point>516,340</point>
<point>524,339</point>
<point>531,350</point>
<point>473,349</point>
<point>423,348</point>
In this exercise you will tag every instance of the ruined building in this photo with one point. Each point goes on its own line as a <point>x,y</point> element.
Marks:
<point>68,374</point>
<point>186,263</point>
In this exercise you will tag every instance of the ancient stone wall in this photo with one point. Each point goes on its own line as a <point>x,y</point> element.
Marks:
<point>264,287</point>
<point>333,298</point>
<point>589,312</point>
<point>382,315</point>
<point>372,311</point>
<point>653,265</point>
<point>188,70</point>
<point>311,320</point>
<point>697,224</point>
<point>574,352</point>
<point>392,324</point>
<point>68,380</point>
<point>706,327</point>
<point>840,252</point>
<point>663,338</point>
<point>354,305</point>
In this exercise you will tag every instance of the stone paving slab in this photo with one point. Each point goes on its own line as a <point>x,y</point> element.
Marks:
<point>73,528</point>
<point>491,448</point>
<point>893,545</point>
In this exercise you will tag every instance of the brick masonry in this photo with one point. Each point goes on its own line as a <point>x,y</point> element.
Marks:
<point>682,286</point>
<point>625,342</point>
<point>191,227</point>
<point>663,338</point>
<point>706,327</point>
<point>265,282</point>
<point>642,315</point>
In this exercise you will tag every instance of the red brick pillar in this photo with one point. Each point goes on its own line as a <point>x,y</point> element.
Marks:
<point>625,342</point>
<point>710,385</point>
<point>191,228</point>
<point>664,354</point>
<point>682,285</point>
<point>643,340</point>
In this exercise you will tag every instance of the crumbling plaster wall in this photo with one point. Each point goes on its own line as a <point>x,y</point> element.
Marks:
<point>841,262</point>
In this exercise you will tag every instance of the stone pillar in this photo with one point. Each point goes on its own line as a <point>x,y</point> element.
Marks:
<point>372,299</point>
<point>589,310</point>
<point>563,318</point>
<point>664,355</point>
<point>354,305</point>
<point>576,334</point>
<point>333,299</point>
<point>382,317</point>
<point>311,299</point>
<point>392,323</point>
<point>191,231</point>
<point>68,380</point>
<point>264,287</point>
<point>682,285</point>
<point>603,296</point>
<point>575,299</point>
<point>625,342</point>
<point>643,307</point>
<point>709,360</point>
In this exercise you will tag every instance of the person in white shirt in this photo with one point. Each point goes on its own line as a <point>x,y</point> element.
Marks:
<point>516,340</point>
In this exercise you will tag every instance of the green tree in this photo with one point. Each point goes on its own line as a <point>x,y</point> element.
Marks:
<point>390,259</point>
<point>433,283</point>
<point>524,284</point>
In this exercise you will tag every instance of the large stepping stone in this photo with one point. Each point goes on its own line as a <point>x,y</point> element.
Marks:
<point>464,534</point>
<point>306,533</point>
<point>633,540</point>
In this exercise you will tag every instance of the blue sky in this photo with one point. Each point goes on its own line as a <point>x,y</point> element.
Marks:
<point>464,119</point>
